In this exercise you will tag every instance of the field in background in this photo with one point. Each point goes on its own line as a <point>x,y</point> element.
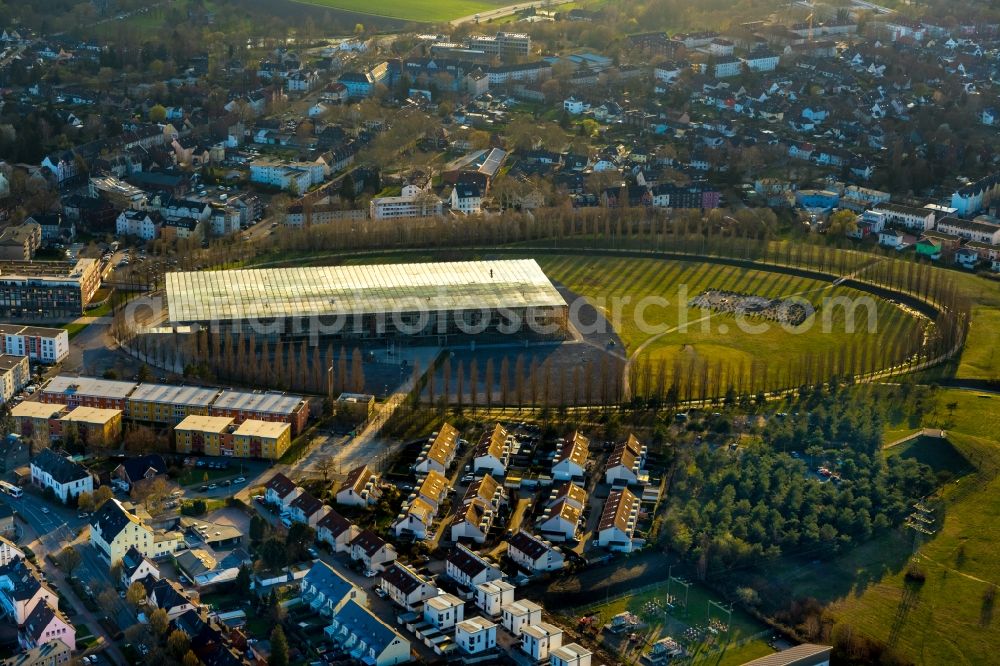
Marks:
<point>423,11</point>
<point>719,337</point>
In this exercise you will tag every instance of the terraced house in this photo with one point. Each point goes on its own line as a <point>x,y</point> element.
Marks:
<point>493,452</point>
<point>478,510</point>
<point>616,529</point>
<point>571,459</point>
<point>439,452</point>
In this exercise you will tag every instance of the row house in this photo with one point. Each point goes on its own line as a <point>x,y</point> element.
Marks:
<point>478,510</point>
<point>534,554</point>
<point>616,528</point>
<point>470,569</point>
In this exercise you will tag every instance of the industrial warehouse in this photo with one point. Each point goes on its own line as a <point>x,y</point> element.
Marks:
<point>510,297</point>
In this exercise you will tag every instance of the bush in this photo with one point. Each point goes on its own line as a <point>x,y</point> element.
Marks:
<point>28,553</point>
<point>194,508</point>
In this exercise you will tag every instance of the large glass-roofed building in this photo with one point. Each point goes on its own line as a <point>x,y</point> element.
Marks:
<point>421,299</point>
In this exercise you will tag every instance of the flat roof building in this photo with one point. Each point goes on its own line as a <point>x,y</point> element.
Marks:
<point>87,392</point>
<point>419,300</point>
<point>32,290</point>
<point>165,403</point>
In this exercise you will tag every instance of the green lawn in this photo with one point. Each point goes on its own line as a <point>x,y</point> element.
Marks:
<point>716,336</point>
<point>980,359</point>
<point>423,11</point>
<point>74,329</point>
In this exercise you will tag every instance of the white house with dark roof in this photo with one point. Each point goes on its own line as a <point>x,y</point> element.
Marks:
<point>372,550</point>
<point>533,553</point>
<point>66,478</point>
<point>137,567</point>
<point>307,509</point>
<point>469,569</point>
<point>168,596</point>
<point>405,586</point>
<point>281,490</point>
<point>336,531</point>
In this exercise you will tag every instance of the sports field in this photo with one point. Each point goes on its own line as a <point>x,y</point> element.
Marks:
<point>423,11</point>
<point>715,336</point>
<point>690,627</point>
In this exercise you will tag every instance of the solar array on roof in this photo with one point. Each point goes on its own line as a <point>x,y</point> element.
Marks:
<point>358,290</point>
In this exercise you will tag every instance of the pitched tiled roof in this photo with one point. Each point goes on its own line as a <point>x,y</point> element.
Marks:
<point>281,485</point>
<point>528,544</point>
<point>402,578</point>
<point>369,542</point>
<point>62,469</point>
<point>111,519</point>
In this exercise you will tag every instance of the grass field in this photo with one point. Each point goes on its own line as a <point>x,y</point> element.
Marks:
<point>981,359</point>
<point>950,618</point>
<point>712,336</point>
<point>424,11</point>
<point>736,648</point>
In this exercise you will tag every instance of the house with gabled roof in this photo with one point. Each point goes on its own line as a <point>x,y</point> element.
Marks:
<point>140,468</point>
<point>281,490</point>
<point>326,591</point>
<point>534,554</point>
<point>137,567</point>
<point>625,463</point>
<point>478,510</point>
<point>307,509</point>
<point>492,453</point>
<point>405,586</point>
<point>469,569</point>
<point>168,596</point>
<point>560,521</point>
<point>372,550</point>
<point>571,459</point>
<point>616,528</point>
<point>66,478</point>
<point>439,452</point>
<point>22,590</point>
<point>360,488</point>
<point>44,625</point>
<point>357,630</point>
<point>336,531</point>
